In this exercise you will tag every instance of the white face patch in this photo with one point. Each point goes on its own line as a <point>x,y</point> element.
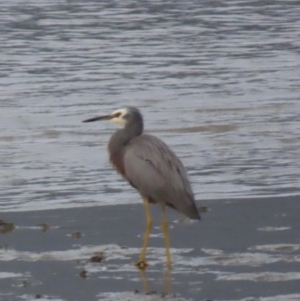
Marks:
<point>119,119</point>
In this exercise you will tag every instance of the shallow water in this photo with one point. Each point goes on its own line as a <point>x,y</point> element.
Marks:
<point>219,82</point>
<point>242,250</point>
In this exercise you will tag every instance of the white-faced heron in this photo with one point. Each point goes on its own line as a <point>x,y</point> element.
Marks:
<point>149,165</point>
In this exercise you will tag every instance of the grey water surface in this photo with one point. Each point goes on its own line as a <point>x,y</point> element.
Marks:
<point>242,250</point>
<point>216,80</point>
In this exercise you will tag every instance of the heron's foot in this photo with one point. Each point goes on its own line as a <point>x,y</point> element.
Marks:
<point>142,264</point>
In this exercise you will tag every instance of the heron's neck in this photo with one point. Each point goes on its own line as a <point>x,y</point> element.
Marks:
<point>133,129</point>
<point>122,136</point>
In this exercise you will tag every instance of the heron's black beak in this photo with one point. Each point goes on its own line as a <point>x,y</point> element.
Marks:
<point>105,117</point>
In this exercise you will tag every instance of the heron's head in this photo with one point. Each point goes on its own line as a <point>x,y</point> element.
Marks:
<point>121,116</point>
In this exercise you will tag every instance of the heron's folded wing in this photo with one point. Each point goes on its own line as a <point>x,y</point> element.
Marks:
<point>153,168</point>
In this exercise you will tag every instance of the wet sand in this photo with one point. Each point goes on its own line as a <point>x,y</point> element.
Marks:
<point>243,249</point>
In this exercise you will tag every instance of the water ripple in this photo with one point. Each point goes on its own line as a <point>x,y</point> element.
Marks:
<point>217,81</point>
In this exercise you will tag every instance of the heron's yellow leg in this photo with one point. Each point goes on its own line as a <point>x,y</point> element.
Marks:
<point>145,280</point>
<point>164,227</point>
<point>168,281</point>
<point>141,263</point>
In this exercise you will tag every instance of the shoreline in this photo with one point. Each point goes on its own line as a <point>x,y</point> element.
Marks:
<point>240,248</point>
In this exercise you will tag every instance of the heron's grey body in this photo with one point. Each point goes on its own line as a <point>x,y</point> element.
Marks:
<point>167,179</point>
<point>151,167</point>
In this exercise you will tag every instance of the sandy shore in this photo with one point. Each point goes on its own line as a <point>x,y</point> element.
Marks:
<point>240,250</point>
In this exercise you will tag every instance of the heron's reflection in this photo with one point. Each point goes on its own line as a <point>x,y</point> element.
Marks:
<point>168,280</point>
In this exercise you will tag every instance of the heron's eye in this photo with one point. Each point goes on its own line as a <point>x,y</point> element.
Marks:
<point>118,114</point>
